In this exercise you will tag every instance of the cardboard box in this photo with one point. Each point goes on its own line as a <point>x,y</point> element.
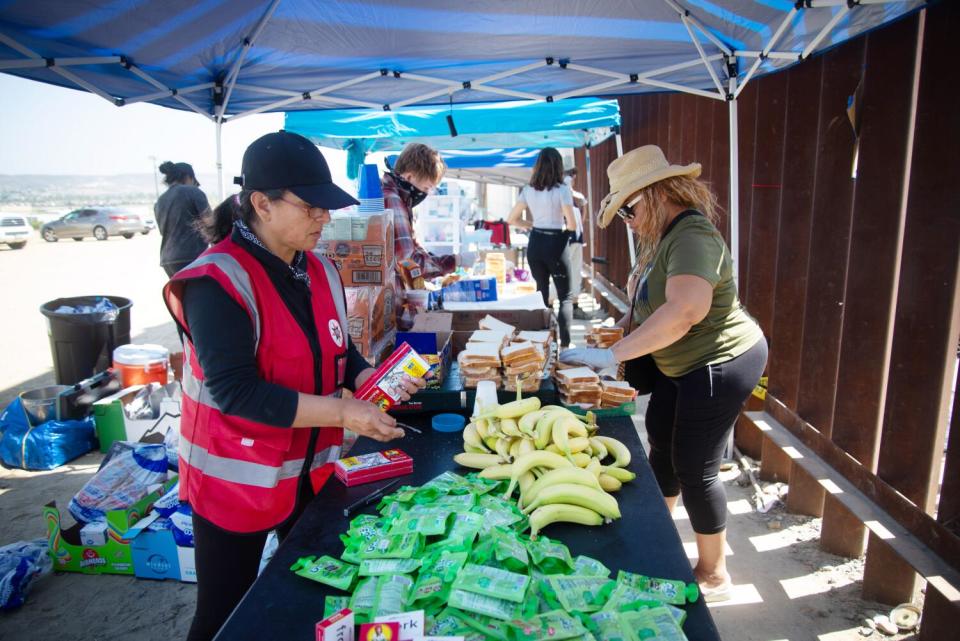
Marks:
<point>371,313</point>
<point>532,319</point>
<point>430,337</point>
<point>113,425</point>
<point>156,554</point>
<point>115,557</point>
<point>482,289</point>
<point>376,466</point>
<point>338,627</point>
<point>376,351</point>
<point>361,261</point>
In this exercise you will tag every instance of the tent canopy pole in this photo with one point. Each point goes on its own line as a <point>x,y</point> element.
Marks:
<point>631,247</point>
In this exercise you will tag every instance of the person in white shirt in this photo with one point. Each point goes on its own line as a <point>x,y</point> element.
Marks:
<point>550,203</point>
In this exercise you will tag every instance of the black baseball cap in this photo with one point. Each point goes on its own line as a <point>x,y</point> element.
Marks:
<point>285,160</point>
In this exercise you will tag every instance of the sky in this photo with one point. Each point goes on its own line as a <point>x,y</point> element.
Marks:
<point>52,130</point>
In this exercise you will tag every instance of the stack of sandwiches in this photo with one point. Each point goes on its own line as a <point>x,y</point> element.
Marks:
<point>603,336</point>
<point>479,361</point>
<point>616,393</point>
<point>523,362</point>
<point>540,338</point>
<point>579,386</point>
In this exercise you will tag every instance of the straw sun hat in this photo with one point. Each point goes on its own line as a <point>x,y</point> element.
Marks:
<point>639,168</point>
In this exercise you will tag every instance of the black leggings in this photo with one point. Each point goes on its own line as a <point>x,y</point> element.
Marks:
<point>689,420</point>
<point>227,564</point>
<point>545,255</point>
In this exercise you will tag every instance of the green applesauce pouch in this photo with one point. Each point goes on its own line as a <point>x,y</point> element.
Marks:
<point>482,604</point>
<point>588,566</point>
<point>435,578</point>
<point>551,557</point>
<point>427,525</point>
<point>379,567</point>
<point>333,604</point>
<point>655,624</point>
<point>553,626</point>
<point>400,546</point>
<point>606,626</point>
<point>493,582</point>
<point>464,526</point>
<point>666,590</point>
<point>492,628</point>
<point>508,550</point>
<point>583,593</point>
<point>448,624</point>
<point>392,593</point>
<point>494,516</point>
<point>326,570</point>
<point>361,602</point>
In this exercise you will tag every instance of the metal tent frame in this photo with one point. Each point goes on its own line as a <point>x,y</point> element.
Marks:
<point>714,55</point>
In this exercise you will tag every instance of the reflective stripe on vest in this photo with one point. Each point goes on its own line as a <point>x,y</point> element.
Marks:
<point>336,291</point>
<point>193,387</point>
<point>247,472</point>
<point>241,281</point>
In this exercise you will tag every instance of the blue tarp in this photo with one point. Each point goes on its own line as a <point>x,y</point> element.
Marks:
<point>310,54</point>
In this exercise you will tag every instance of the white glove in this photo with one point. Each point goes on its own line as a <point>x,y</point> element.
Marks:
<point>467,259</point>
<point>593,357</point>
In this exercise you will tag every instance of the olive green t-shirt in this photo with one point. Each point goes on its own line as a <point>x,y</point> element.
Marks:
<point>694,246</point>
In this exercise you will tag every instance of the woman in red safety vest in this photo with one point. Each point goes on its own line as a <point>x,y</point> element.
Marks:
<point>266,353</point>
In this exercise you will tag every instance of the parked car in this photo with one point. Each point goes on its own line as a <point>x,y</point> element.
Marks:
<point>14,231</point>
<point>101,223</point>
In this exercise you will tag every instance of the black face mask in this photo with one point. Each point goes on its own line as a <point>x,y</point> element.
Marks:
<point>416,195</point>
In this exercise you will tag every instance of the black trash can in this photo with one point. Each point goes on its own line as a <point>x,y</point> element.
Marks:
<point>83,344</point>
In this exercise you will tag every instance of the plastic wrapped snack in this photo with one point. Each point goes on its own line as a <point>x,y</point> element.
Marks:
<point>553,626</point>
<point>380,567</point>
<point>326,570</point>
<point>124,480</point>
<point>666,590</point>
<point>481,579</point>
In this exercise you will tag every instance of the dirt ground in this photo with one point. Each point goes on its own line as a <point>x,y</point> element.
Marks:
<point>786,588</point>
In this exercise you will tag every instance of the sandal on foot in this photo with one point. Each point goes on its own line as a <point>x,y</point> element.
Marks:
<point>722,592</point>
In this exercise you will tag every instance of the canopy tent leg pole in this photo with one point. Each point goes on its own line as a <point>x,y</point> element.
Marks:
<point>734,211</point>
<point>219,126</point>
<point>630,242</point>
<point>593,227</point>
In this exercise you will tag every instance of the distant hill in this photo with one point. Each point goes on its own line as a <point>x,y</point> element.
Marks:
<point>39,190</point>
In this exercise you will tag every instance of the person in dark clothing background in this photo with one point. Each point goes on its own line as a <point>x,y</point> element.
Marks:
<point>177,212</point>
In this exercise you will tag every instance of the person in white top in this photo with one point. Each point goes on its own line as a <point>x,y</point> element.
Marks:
<point>550,203</point>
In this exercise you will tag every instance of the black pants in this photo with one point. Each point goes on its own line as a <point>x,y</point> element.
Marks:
<point>689,420</point>
<point>545,256</point>
<point>227,564</point>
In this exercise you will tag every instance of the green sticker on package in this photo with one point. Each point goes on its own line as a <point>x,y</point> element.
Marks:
<point>326,570</point>
<point>501,584</point>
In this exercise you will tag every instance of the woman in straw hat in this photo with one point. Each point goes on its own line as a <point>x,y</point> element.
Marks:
<point>709,353</point>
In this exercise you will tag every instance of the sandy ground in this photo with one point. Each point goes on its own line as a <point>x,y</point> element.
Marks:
<point>786,588</point>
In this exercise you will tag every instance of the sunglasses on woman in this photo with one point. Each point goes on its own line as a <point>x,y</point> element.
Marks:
<point>626,211</point>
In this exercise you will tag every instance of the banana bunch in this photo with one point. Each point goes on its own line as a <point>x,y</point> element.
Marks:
<point>554,456</point>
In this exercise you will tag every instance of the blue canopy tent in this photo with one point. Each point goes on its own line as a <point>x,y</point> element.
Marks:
<point>227,59</point>
<point>479,127</point>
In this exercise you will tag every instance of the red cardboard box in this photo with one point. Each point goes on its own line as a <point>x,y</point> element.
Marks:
<point>367,468</point>
<point>338,627</point>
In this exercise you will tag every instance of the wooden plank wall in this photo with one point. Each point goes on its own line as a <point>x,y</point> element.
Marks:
<point>855,279</point>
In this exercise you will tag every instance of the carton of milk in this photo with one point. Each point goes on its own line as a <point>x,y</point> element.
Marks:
<point>94,534</point>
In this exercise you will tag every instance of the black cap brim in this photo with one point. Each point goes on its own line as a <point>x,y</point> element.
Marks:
<point>327,196</point>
